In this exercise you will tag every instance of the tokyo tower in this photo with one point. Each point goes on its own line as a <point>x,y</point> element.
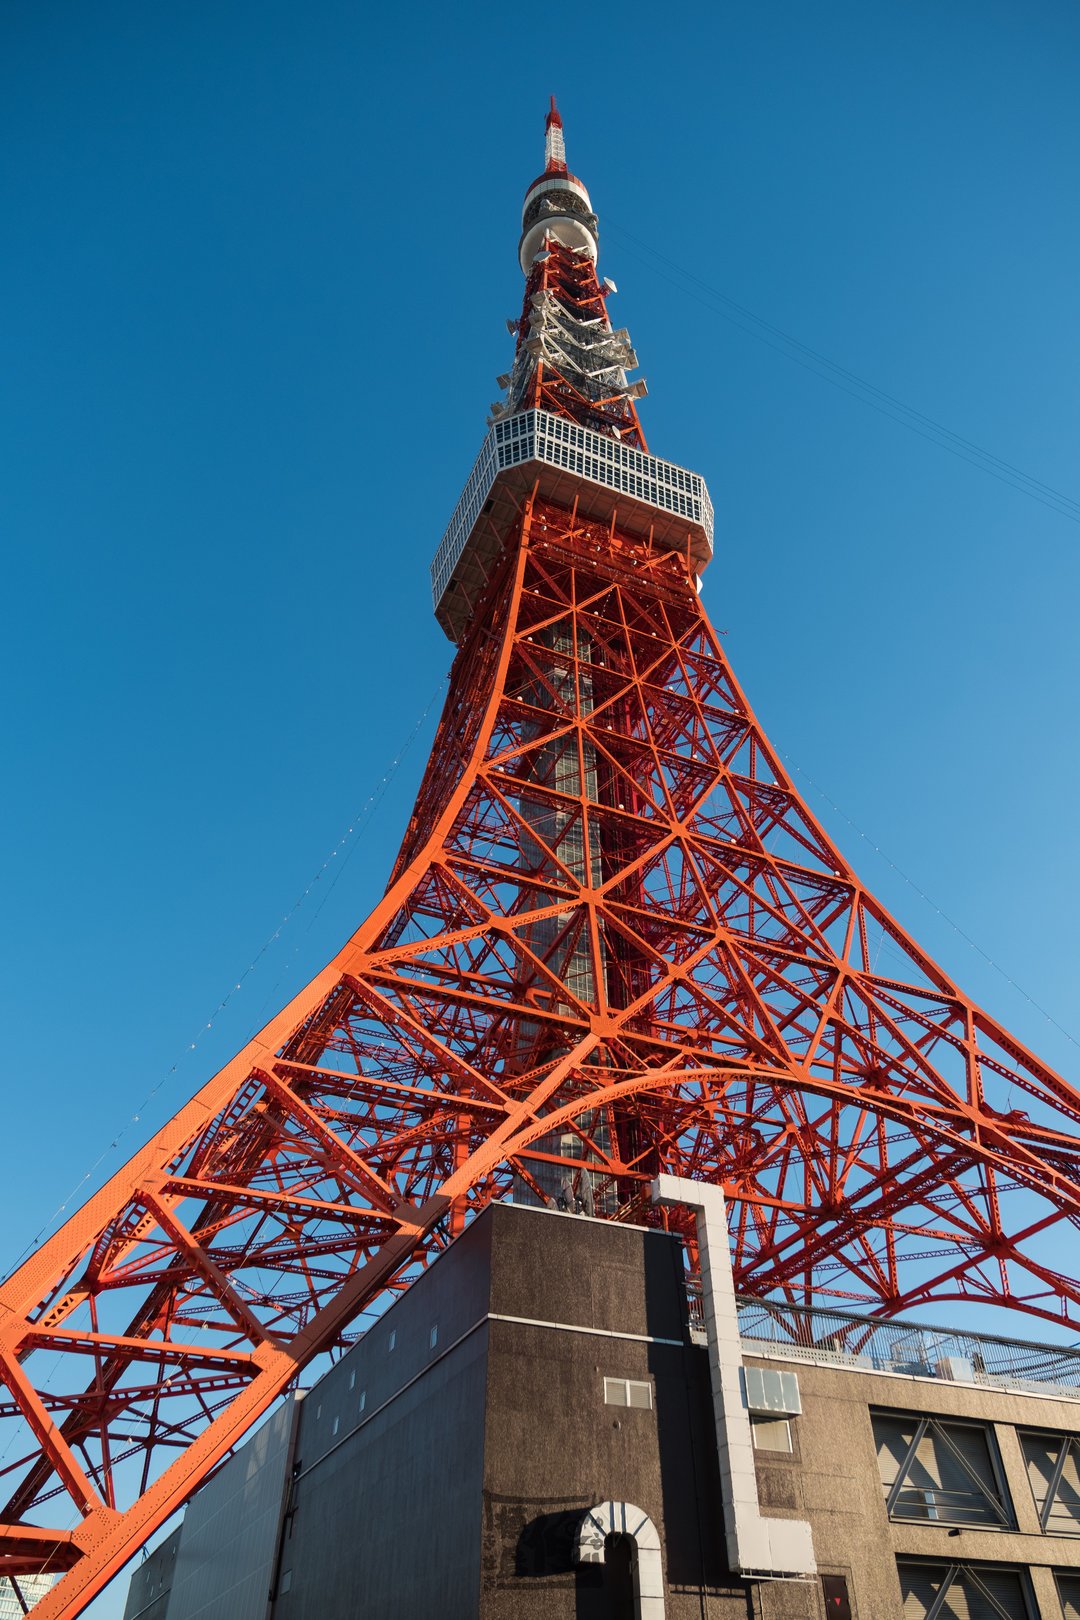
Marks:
<point>615,944</point>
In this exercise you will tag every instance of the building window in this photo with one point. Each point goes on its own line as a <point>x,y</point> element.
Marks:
<point>1053,1466</point>
<point>337,1425</point>
<point>943,1591</point>
<point>627,1392</point>
<point>392,1340</point>
<point>937,1469</point>
<point>1069,1592</point>
<point>433,1336</point>
<point>352,1379</point>
<point>363,1399</point>
<point>771,1434</point>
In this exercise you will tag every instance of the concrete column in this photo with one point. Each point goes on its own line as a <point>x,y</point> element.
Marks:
<point>755,1545</point>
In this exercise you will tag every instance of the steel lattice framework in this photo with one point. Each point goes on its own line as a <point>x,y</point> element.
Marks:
<point>615,942</point>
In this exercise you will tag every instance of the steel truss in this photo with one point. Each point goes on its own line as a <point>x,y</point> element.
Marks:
<point>615,943</point>
<point>613,924</point>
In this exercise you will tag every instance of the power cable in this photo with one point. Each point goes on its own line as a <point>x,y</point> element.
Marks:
<point>955,926</point>
<point>849,382</point>
<point>356,826</point>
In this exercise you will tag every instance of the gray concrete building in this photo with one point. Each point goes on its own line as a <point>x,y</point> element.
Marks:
<point>547,1424</point>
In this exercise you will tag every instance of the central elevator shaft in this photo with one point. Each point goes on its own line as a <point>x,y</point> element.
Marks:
<point>557,812</point>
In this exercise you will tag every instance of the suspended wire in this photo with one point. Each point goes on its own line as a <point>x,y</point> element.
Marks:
<point>351,836</point>
<point>917,422</point>
<point>354,845</point>
<point>357,826</point>
<point>955,926</point>
<point>849,382</point>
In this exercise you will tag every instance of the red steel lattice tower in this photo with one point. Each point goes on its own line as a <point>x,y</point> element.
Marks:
<point>615,943</point>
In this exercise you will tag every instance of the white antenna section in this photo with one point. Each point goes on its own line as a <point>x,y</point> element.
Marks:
<point>554,145</point>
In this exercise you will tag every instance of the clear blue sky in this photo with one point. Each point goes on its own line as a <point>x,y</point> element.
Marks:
<point>257,261</point>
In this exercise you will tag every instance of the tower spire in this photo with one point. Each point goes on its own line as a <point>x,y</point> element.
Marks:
<point>554,144</point>
<point>557,203</point>
<point>569,360</point>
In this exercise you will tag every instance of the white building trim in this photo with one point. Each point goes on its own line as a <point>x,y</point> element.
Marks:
<point>755,1545</point>
<point>623,1519</point>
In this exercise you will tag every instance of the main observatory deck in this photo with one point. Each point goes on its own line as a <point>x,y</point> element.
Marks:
<point>565,462</point>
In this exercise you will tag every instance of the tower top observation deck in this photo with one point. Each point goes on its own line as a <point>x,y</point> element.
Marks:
<point>567,426</point>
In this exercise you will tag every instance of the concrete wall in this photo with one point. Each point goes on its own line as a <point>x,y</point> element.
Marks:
<point>553,1448</point>
<point>832,1479</point>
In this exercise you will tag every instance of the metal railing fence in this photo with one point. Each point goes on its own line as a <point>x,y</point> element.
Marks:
<point>823,1333</point>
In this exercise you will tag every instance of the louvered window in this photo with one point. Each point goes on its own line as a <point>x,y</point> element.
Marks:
<point>936,1469</point>
<point>770,1434</point>
<point>628,1392</point>
<point>1069,1593</point>
<point>1053,1465</point>
<point>963,1591</point>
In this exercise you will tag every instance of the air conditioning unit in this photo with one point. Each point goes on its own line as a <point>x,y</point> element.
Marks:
<point>958,1368</point>
<point>767,1390</point>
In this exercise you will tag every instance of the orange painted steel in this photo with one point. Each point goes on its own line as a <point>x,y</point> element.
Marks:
<point>616,942</point>
<point>571,279</point>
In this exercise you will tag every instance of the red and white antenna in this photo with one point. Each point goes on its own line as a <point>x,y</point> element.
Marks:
<point>556,204</point>
<point>554,145</point>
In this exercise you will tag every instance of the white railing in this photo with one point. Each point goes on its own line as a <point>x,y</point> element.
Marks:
<point>557,442</point>
<point>834,1337</point>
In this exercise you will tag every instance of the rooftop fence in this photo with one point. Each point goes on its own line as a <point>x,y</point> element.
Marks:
<point>823,1334</point>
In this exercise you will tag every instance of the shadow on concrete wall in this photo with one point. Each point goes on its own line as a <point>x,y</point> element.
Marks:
<point>602,1592</point>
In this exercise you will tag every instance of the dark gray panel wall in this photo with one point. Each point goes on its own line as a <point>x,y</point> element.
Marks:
<point>225,1563</point>
<point>151,1581</point>
<point>451,1297</point>
<point>385,1515</point>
